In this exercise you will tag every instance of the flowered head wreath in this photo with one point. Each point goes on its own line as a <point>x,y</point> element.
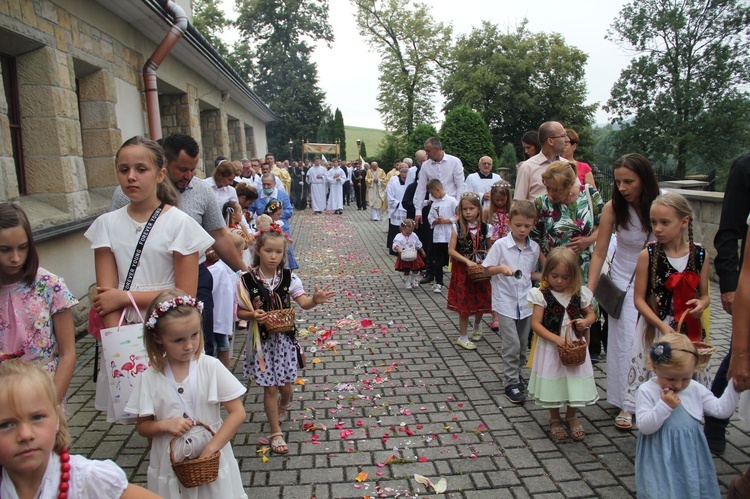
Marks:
<point>273,206</point>
<point>470,194</point>
<point>168,305</point>
<point>272,228</point>
<point>661,353</point>
<point>501,184</point>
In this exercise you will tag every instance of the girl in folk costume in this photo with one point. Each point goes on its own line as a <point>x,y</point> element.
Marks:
<point>496,215</point>
<point>34,440</point>
<point>36,318</point>
<point>671,283</point>
<point>183,387</point>
<point>271,358</point>
<point>376,185</point>
<point>561,305</point>
<point>408,240</point>
<point>467,247</point>
<point>274,210</point>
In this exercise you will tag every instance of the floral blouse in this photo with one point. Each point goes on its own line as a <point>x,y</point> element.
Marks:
<point>557,224</point>
<point>26,317</point>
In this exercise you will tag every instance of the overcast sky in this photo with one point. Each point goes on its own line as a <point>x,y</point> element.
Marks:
<point>348,71</point>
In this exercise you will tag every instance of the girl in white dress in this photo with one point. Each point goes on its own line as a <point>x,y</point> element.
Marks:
<point>627,216</point>
<point>181,388</point>
<point>34,440</point>
<point>170,253</point>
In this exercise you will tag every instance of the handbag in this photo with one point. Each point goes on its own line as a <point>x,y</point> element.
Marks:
<point>125,357</point>
<point>608,295</point>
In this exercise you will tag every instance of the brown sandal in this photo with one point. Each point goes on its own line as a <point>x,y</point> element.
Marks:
<point>277,443</point>
<point>577,432</point>
<point>559,433</point>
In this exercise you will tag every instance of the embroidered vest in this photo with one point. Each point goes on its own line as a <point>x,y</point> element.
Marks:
<point>261,296</point>
<point>554,311</point>
<point>465,246</point>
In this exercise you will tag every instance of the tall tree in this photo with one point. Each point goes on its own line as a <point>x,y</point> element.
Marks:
<point>339,132</point>
<point>279,35</point>
<point>412,45</point>
<point>210,21</point>
<point>687,83</point>
<point>517,80</point>
<point>325,128</point>
<point>419,136</point>
<point>466,136</point>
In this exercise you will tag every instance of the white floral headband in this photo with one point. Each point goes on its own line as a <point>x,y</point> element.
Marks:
<point>168,305</point>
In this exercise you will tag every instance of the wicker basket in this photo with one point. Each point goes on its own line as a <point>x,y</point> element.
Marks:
<point>477,274</point>
<point>279,319</point>
<point>575,355</point>
<point>408,254</point>
<point>705,351</point>
<point>195,472</point>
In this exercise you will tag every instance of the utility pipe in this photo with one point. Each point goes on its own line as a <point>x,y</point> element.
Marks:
<point>153,63</point>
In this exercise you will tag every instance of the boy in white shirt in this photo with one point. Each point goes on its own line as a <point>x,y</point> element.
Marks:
<point>512,262</point>
<point>441,218</point>
<point>225,286</point>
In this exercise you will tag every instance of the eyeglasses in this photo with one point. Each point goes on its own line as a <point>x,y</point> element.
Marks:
<point>486,163</point>
<point>563,136</point>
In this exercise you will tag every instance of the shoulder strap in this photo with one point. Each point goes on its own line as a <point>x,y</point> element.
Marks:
<point>139,247</point>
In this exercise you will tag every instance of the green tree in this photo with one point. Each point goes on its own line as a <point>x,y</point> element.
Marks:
<point>363,149</point>
<point>412,45</point>
<point>325,128</point>
<point>210,21</point>
<point>391,150</point>
<point>508,158</point>
<point>466,136</point>
<point>517,80</point>
<point>339,132</point>
<point>419,136</point>
<point>280,36</point>
<point>687,84</point>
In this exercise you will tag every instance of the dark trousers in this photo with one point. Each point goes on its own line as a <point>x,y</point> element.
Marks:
<point>393,231</point>
<point>347,192</point>
<point>361,196</point>
<point>439,259</point>
<point>424,233</point>
<point>599,335</point>
<point>205,294</point>
<point>718,386</point>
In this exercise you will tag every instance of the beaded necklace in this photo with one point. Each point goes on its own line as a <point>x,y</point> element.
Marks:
<point>64,474</point>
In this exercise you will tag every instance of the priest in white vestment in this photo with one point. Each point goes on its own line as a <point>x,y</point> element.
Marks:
<point>317,178</point>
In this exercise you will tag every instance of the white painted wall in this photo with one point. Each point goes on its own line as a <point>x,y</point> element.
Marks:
<point>71,257</point>
<point>129,110</point>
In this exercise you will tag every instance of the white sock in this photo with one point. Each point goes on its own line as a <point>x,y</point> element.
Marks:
<point>465,338</point>
<point>478,327</point>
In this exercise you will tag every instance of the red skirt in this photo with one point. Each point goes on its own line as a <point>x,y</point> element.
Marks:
<point>414,265</point>
<point>466,296</point>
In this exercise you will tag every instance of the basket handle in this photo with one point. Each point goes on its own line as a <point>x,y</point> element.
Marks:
<point>682,319</point>
<point>171,442</point>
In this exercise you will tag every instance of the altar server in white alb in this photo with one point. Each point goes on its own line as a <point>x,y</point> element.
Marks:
<point>316,177</point>
<point>336,178</point>
<point>394,193</point>
<point>482,180</point>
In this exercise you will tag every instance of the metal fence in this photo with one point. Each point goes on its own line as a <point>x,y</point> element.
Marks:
<point>605,180</point>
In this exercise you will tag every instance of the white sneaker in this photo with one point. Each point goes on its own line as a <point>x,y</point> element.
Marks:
<point>437,288</point>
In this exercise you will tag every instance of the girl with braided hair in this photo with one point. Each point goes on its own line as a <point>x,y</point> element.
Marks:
<point>671,282</point>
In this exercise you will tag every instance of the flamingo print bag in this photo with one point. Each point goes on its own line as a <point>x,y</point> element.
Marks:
<point>125,357</point>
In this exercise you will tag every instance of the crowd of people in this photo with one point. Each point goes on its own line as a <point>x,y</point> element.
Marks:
<point>188,261</point>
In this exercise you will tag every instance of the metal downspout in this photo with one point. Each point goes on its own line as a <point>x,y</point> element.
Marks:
<point>153,63</point>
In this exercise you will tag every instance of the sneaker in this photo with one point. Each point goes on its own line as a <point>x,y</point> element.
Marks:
<point>407,284</point>
<point>476,335</point>
<point>466,344</point>
<point>437,288</point>
<point>515,394</point>
<point>427,279</point>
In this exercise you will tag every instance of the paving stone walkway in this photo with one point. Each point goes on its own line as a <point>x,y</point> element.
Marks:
<point>387,394</point>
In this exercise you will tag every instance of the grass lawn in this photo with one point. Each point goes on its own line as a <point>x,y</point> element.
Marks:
<point>370,136</point>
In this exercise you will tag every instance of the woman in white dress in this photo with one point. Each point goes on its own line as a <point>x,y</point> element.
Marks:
<point>170,254</point>
<point>627,216</point>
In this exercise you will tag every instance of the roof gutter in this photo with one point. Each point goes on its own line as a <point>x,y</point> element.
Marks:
<point>153,63</point>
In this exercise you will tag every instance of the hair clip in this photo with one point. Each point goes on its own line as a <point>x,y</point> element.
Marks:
<point>660,353</point>
<point>168,305</point>
<point>470,194</point>
<point>501,184</point>
<point>273,206</point>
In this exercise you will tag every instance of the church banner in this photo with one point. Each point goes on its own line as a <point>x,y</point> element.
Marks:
<point>312,148</point>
